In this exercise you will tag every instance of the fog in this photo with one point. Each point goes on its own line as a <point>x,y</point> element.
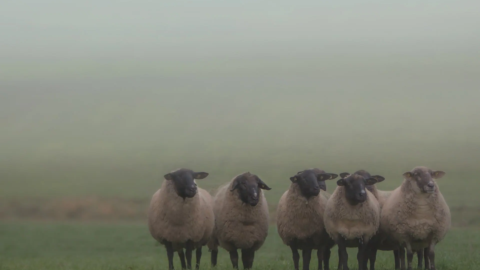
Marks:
<point>102,92</point>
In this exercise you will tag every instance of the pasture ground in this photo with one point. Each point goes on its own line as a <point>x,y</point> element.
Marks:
<point>128,245</point>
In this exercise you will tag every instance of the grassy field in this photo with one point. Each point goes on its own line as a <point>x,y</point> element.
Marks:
<point>62,246</point>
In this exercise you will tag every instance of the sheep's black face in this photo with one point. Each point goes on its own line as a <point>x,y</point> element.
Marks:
<point>424,179</point>
<point>312,181</point>
<point>355,186</point>
<point>184,181</point>
<point>248,188</point>
<point>366,175</point>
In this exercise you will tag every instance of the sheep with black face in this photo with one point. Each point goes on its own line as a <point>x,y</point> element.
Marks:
<point>300,217</point>
<point>352,216</point>
<point>241,219</point>
<point>417,215</point>
<point>181,216</point>
<point>381,240</point>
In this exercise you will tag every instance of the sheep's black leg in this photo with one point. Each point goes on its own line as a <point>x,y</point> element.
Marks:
<point>340,264</point>
<point>420,259</point>
<point>169,247</point>
<point>181,255</point>
<point>401,253</point>
<point>371,248</point>
<point>343,255</point>
<point>431,256</point>
<point>234,258</point>
<point>409,260</point>
<point>252,256</point>
<point>199,257</point>
<point>188,253</point>
<point>372,257</point>
<point>307,256</point>
<point>320,257</point>
<point>359,256</point>
<point>397,259</point>
<point>409,257</point>
<point>362,255</point>
<point>296,256</point>
<point>326,258</point>
<point>244,258</point>
<point>403,263</point>
<point>213,257</point>
<point>426,258</point>
<point>247,258</point>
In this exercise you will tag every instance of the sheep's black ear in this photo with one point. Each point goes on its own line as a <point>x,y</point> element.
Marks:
<point>438,174</point>
<point>344,174</point>
<point>294,179</point>
<point>341,182</point>
<point>199,175</point>
<point>379,178</point>
<point>371,181</point>
<point>333,176</point>
<point>408,175</point>
<point>326,176</point>
<point>168,176</point>
<point>234,185</point>
<point>261,184</point>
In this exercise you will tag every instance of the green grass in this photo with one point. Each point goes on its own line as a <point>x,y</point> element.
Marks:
<point>128,246</point>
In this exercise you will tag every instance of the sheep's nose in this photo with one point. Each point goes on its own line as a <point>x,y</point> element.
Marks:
<point>362,193</point>
<point>431,184</point>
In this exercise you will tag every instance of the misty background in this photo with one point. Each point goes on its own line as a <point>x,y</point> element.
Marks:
<point>102,98</point>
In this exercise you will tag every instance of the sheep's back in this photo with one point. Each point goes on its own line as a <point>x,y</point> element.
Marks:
<point>383,196</point>
<point>299,220</point>
<point>419,218</point>
<point>345,220</point>
<point>173,219</point>
<point>206,217</point>
<point>445,218</point>
<point>237,225</point>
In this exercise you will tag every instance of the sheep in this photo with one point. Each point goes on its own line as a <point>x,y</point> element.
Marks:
<point>300,217</point>
<point>352,216</point>
<point>381,196</point>
<point>379,241</point>
<point>382,241</point>
<point>241,219</point>
<point>416,214</point>
<point>181,216</point>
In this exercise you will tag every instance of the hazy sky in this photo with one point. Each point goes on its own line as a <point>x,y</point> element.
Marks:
<point>59,33</point>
